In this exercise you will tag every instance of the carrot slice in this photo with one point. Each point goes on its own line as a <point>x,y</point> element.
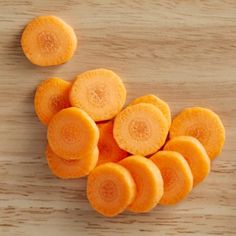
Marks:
<point>176,174</point>
<point>109,151</point>
<point>52,95</point>
<point>71,169</point>
<point>148,180</point>
<point>140,129</point>
<point>159,103</point>
<point>100,92</point>
<point>110,189</point>
<point>72,133</point>
<point>194,153</point>
<point>203,124</point>
<point>48,41</point>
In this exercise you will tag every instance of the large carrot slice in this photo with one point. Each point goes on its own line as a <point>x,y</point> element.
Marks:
<point>72,133</point>
<point>109,151</point>
<point>148,180</point>
<point>159,103</point>
<point>140,129</point>
<point>51,96</point>
<point>194,153</point>
<point>203,124</point>
<point>176,174</point>
<point>71,169</point>
<point>48,41</point>
<point>99,92</point>
<point>110,189</point>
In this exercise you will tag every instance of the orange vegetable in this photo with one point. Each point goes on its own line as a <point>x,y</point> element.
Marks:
<point>100,92</point>
<point>176,174</point>
<point>110,189</point>
<point>52,95</point>
<point>48,41</point>
<point>72,133</point>
<point>202,124</point>
<point>148,180</point>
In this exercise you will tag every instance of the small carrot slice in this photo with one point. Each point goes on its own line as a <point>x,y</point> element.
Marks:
<point>176,174</point>
<point>110,189</point>
<point>159,103</point>
<point>109,151</point>
<point>194,153</point>
<point>71,169</point>
<point>48,41</point>
<point>148,181</point>
<point>203,124</point>
<point>52,95</point>
<point>99,92</point>
<point>72,133</point>
<point>140,129</point>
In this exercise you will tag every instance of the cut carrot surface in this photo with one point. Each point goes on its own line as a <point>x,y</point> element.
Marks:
<point>48,40</point>
<point>109,151</point>
<point>148,180</point>
<point>100,92</point>
<point>110,189</point>
<point>72,133</point>
<point>71,169</point>
<point>194,153</point>
<point>140,129</point>
<point>52,95</point>
<point>203,124</point>
<point>176,174</point>
<point>159,103</point>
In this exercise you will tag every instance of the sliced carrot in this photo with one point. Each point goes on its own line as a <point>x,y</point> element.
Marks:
<point>203,124</point>
<point>48,41</point>
<point>148,180</point>
<point>109,151</point>
<point>72,133</point>
<point>100,92</point>
<point>71,169</point>
<point>110,189</point>
<point>52,95</point>
<point>194,153</point>
<point>159,103</point>
<point>176,174</point>
<point>140,129</point>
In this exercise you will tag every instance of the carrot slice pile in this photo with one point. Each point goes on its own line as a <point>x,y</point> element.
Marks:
<point>110,189</point>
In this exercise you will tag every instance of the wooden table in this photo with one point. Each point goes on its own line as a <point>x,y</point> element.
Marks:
<point>183,51</point>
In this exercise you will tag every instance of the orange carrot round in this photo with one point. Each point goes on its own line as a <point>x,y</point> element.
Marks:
<point>203,124</point>
<point>110,189</point>
<point>148,180</point>
<point>52,95</point>
<point>194,153</point>
<point>100,92</point>
<point>48,41</point>
<point>176,174</point>
<point>72,133</point>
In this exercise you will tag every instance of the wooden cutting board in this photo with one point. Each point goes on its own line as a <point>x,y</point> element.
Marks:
<point>183,51</point>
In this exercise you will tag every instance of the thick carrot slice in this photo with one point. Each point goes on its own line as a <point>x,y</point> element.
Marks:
<point>159,103</point>
<point>51,96</point>
<point>194,153</point>
<point>100,92</point>
<point>176,174</point>
<point>109,151</point>
<point>71,169</point>
<point>203,124</point>
<point>110,189</point>
<point>72,133</point>
<point>48,41</point>
<point>140,129</point>
<point>148,180</point>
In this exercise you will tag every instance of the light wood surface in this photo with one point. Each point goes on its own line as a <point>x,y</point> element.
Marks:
<point>183,51</point>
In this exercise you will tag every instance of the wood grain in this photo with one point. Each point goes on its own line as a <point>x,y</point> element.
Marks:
<point>183,51</point>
